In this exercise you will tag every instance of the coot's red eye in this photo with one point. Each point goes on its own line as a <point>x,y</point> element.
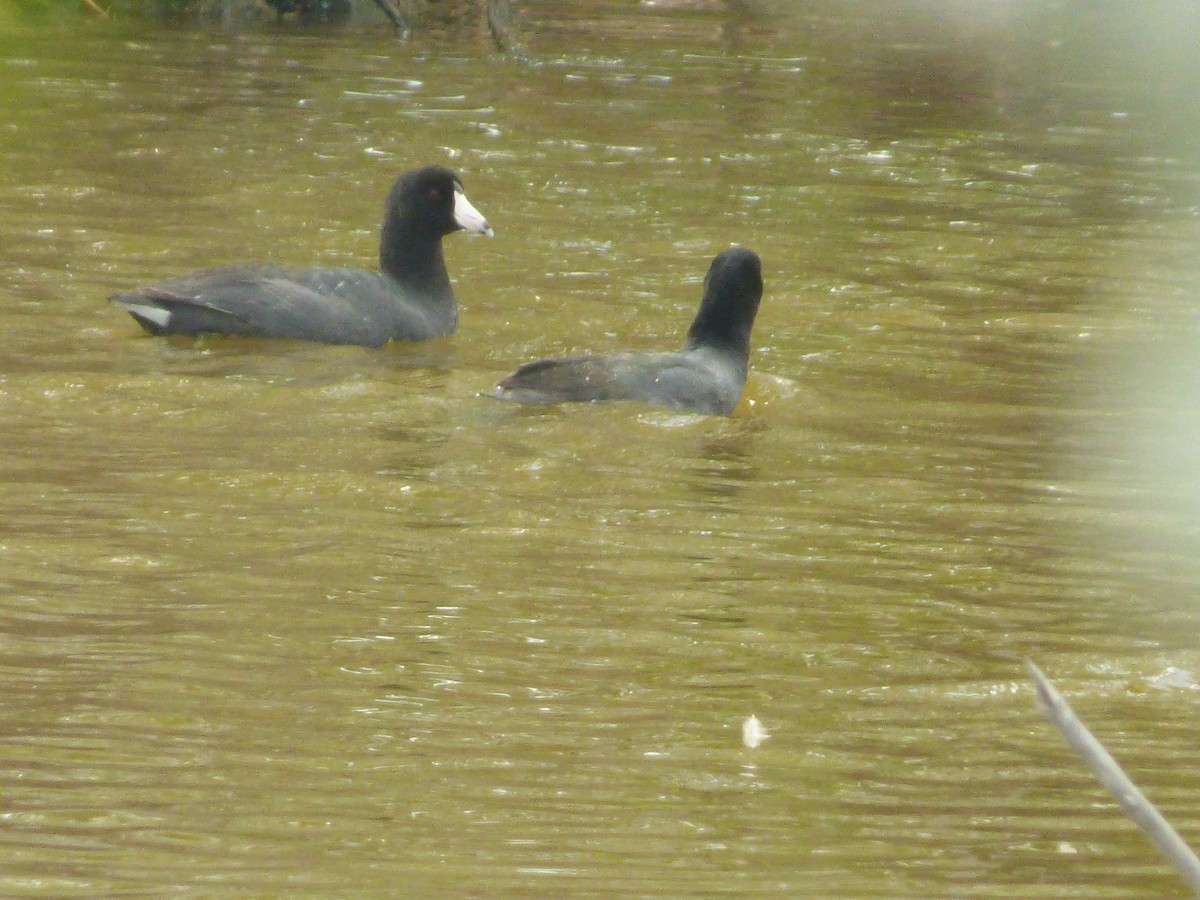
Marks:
<point>435,194</point>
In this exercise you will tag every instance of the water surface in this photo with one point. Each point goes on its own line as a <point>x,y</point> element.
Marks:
<point>281,619</point>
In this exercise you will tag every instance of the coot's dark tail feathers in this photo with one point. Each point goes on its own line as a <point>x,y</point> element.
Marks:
<point>161,312</point>
<point>553,380</point>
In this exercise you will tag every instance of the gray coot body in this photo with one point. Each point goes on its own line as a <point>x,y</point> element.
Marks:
<point>706,376</point>
<point>409,299</point>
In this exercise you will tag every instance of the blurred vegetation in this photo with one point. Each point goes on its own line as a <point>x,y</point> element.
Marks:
<point>37,10</point>
<point>403,14</point>
<point>226,11</point>
<point>44,10</point>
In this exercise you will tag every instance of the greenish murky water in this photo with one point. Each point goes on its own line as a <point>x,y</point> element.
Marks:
<point>291,620</point>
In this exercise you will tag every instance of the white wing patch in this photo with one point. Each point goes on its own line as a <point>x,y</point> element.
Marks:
<point>155,314</point>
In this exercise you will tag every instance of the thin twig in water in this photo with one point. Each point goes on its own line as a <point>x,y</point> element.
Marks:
<point>392,12</point>
<point>96,8</point>
<point>1132,800</point>
<point>502,23</point>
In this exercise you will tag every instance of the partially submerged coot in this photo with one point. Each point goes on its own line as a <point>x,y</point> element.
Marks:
<point>409,299</point>
<point>706,376</point>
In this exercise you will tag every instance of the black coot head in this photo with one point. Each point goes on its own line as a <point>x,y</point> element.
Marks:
<point>736,271</point>
<point>431,202</point>
<point>732,291</point>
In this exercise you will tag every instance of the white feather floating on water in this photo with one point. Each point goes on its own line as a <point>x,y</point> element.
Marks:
<point>753,732</point>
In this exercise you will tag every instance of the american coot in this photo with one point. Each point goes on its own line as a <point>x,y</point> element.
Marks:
<point>706,376</point>
<point>410,299</point>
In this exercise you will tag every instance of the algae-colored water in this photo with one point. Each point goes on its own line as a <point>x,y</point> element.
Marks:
<point>292,620</point>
